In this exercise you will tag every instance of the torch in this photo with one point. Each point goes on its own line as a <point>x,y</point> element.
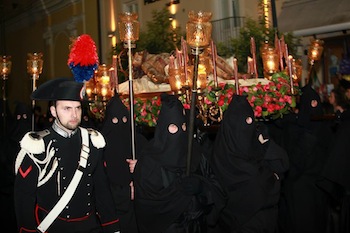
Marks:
<point>314,54</point>
<point>34,68</point>
<point>5,71</point>
<point>129,33</point>
<point>198,33</point>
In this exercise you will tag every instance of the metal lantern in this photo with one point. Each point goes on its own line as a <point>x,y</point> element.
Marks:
<point>90,89</point>
<point>297,70</point>
<point>6,65</point>
<point>199,29</point>
<point>314,54</point>
<point>270,60</point>
<point>103,87</point>
<point>129,27</point>
<point>34,68</point>
<point>176,79</point>
<point>35,64</point>
<point>315,50</point>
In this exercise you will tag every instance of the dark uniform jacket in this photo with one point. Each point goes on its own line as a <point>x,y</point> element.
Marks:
<point>45,166</point>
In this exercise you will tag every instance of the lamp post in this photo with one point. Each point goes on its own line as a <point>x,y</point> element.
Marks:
<point>198,33</point>
<point>5,71</point>
<point>129,33</point>
<point>34,68</point>
<point>314,54</point>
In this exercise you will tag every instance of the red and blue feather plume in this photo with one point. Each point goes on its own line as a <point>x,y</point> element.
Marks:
<point>83,58</point>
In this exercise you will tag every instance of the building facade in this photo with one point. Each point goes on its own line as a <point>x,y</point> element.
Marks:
<point>48,26</point>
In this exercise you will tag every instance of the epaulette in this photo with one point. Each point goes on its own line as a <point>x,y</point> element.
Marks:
<point>33,142</point>
<point>97,138</point>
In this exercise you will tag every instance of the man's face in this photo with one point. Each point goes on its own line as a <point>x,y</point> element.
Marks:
<point>68,113</point>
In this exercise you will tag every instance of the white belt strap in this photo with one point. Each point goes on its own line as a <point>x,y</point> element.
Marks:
<point>57,209</point>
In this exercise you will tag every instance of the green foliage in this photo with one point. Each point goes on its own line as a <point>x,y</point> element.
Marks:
<point>159,37</point>
<point>240,47</point>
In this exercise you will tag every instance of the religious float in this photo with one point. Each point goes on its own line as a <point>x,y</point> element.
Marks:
<point>203,81</point>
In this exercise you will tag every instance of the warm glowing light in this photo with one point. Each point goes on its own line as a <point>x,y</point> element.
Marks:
<point>90,88</point>
<point>176,78</point>
<point>114,41</point>
<point>103,74</point>
<point>297,70</point>
<point>271,65</point>
<point>198,29</point>
<point>266,7</point>
<point>270,60</point>
<point>201,69</point>
<point>104,91</point>
<point>174,23</point>
<point>34,63</point>
<point>112,21</point>
<point>173,9</point>
<point>315,50</point>
<point>105,79</point>
<point>250,65</point>
<point>202,76</point>
<point>6,66</point>
<point>89,92</point>
<point>178,85</point>
<point>129,27</point>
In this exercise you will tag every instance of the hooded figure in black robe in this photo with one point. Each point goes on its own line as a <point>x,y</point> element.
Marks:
<point>306,208</point>
<point>8,151</point>
<point>6,119</point>
<point>88,121</point>
<point>249,166</point>
<point>166,200</point>
<point>117,132</point>
<point>21,123</point>
<point>336,175</point>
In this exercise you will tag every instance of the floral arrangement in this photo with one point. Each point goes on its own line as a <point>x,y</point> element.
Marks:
<point>269,101</point>
<point>97,110</point>
<point>273,99</point>
<point>146,110</point>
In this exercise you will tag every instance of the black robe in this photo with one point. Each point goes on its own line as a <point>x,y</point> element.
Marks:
<point>248,170</point>
<point>336,177</point>
<point>304,206</point>
<point>116,129</point>
<point>161,203</point>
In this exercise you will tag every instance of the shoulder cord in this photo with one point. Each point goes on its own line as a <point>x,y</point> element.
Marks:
<point>50,152</point>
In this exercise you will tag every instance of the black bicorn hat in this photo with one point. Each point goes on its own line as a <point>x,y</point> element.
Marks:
<point>59,89</point>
